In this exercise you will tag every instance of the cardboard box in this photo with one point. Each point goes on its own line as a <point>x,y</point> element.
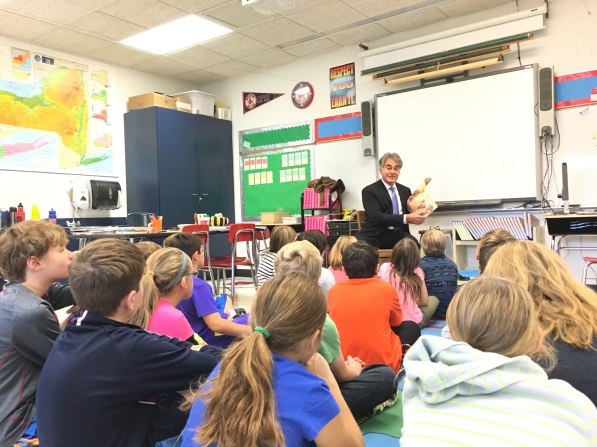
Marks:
<point>184,104</point>
<point>202,103</point>
<point>150,100</point>
<point>273,218</point>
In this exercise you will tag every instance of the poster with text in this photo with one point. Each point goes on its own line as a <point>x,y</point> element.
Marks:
<point>342,86</point>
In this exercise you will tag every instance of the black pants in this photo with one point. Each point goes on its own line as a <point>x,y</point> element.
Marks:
<point>387,239</point>
<point>408,331</point>
<point>375,385</point>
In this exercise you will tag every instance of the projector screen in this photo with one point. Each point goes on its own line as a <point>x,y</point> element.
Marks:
<point>476,138</point>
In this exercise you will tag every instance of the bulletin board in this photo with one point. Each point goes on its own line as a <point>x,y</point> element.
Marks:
<point>274,180</point>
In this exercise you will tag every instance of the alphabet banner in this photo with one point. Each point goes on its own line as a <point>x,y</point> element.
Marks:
<point>343,90</point>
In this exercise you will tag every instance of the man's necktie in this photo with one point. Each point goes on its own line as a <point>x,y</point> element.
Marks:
<point>394,200</point>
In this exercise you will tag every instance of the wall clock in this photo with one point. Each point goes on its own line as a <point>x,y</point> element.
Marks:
<point>302,95</point>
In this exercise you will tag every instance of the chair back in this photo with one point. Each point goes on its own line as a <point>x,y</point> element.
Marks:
<point>192,228</point>
<point>236,233</point>
<point>262,233</point>
<point>360,218</point>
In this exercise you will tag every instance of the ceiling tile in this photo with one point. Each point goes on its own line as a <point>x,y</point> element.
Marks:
<point>200,54</point>
<point>93,4</point>
<point>412,20</point>
<point>241,66</point>
<point>277,31</point>
<point>236,15</point>
<point>105,25</point>
<point>226,72</point>
<point>192,63</point>
<point>454,8</point>
<point>164,67</point>
<point>235,45</point>
<point>71,41</point>
<point>329,15</point>
<point>232,68</point>
<point>365,33</point>
<point>306,4</point>
<point>372,8</point>
<point>147,13</point>
<point>120,54</point>
<point>209,5</point>
<point>198,76</point>
<point>269,58</point>
<point>22,28</point>
<point>319,46</point>
<point>57,11</point>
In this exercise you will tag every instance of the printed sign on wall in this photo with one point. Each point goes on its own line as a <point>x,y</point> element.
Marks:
<point>343,90</point>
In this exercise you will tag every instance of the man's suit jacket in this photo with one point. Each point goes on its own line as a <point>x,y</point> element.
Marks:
<point>378,210</point>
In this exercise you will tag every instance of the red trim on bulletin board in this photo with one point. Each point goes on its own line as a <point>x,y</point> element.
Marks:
<point>338,127</point>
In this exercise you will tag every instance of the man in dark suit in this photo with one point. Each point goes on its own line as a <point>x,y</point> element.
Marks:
<point>387,216</point>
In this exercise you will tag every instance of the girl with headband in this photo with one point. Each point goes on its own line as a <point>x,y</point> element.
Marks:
<point>168,280</point>
<point>272,388</point>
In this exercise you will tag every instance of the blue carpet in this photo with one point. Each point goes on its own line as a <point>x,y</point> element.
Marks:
<point>379,440</point>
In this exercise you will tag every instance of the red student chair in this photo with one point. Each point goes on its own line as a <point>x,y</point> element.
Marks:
<point>203,232</point>
<point>589,261</point>
<point>262,234</point>
<point>242,232</point>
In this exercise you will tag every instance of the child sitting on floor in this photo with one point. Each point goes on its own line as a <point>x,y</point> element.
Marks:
<point>33,255</point>
<point>367,311</point>
<point>440,272</point>
<point>483,386</point>
<point>272,388</point>
<point>103,382</point>
<point>319,240</point>
<point>169,280</point>
<point>407,277</point>
<point>279,237</point>
<point>214,327</point>
<point>336,258</point>
<point>365,388</point>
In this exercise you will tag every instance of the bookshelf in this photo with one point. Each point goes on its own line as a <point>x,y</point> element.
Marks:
<point>460,248</point>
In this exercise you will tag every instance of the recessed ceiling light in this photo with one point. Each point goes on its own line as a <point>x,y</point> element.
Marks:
<point>176,35</point>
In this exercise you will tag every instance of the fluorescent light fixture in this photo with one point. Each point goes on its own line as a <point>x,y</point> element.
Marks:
<point>176,35</point>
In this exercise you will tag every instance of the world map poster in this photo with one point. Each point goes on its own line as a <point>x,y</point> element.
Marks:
<point>53,114</point>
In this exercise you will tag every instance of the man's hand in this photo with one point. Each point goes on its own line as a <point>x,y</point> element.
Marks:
<point>417,218</point>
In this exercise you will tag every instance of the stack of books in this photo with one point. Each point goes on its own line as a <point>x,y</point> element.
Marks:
<point>474,228</point>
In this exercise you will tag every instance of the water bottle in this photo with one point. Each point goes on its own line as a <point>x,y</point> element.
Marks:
<point>20,215</point>
<point>35,213</point>
<point>13,215</point>
<point>52,216</point>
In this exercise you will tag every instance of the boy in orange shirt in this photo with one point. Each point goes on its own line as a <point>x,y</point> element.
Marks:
<point>367,311</point>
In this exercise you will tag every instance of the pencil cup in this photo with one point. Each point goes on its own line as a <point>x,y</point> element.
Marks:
<point>155,225</point>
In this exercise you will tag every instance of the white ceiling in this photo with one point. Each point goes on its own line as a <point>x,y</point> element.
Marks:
<point>92,28</point>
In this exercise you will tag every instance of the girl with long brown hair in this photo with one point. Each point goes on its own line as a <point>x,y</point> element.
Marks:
<point>407,277</point>
<point>272,388</point>
<point>567,308</point>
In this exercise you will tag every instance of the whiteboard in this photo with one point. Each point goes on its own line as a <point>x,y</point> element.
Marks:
<point>476,138</point>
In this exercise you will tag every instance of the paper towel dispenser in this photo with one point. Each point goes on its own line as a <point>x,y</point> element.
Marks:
<point>105,195</point>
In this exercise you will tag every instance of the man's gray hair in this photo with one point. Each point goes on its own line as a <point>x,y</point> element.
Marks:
<point>393,155</point>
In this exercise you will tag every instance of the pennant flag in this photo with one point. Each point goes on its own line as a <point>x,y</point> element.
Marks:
<point>253,100</point>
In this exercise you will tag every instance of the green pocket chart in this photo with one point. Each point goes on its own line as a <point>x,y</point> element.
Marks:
<point>274,180</point>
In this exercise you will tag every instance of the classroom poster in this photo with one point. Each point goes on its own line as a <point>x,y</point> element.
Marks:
<point>342,86</point>
<point>575,89</point>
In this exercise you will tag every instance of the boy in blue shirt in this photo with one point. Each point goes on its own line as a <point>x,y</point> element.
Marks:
<point>107,382</point>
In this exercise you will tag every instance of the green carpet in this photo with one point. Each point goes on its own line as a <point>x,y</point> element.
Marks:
<point>388,422</point>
